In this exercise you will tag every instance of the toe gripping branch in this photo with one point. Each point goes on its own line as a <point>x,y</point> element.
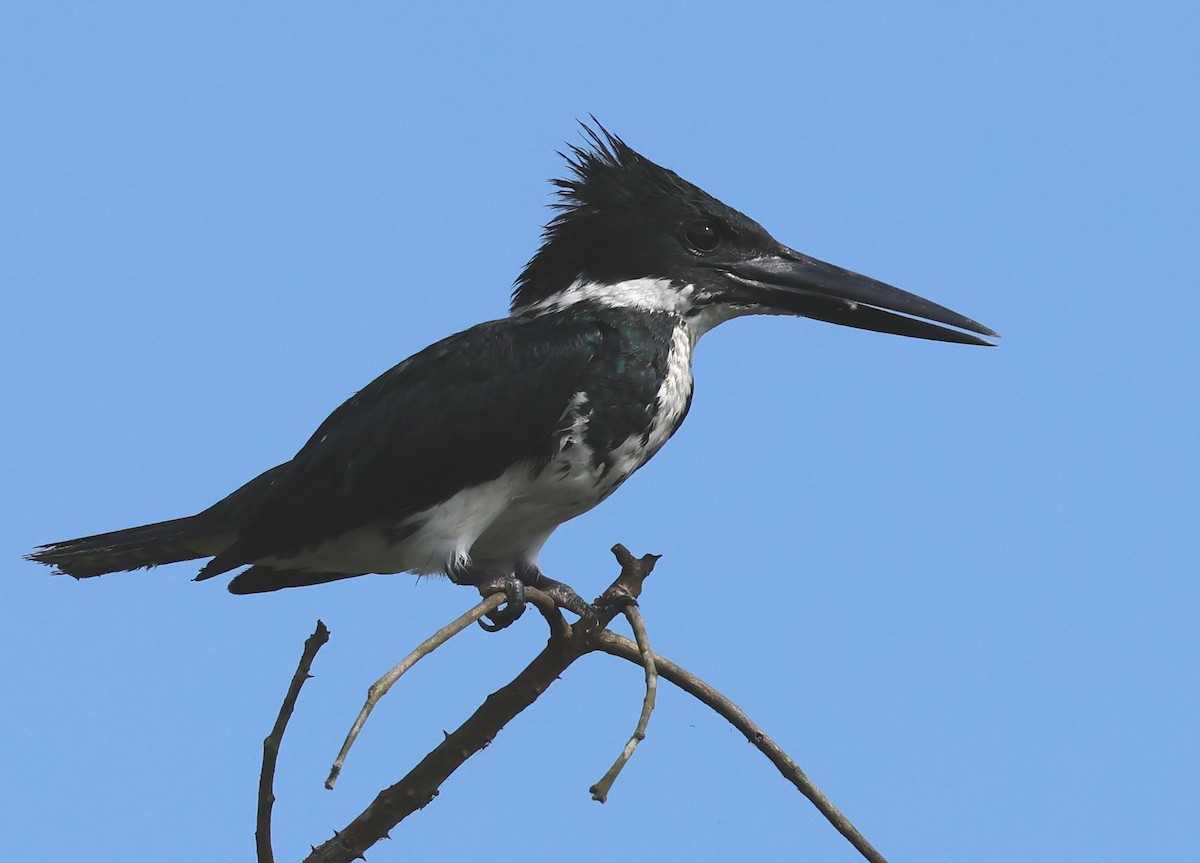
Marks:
<point>490,581</point>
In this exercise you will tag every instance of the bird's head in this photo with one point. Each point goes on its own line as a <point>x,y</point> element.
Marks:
<point>632,233</point>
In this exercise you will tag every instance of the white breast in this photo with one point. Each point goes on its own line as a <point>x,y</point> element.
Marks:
<point>504,522</point>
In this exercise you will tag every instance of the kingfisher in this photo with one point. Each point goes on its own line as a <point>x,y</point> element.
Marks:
<point>464,458</point>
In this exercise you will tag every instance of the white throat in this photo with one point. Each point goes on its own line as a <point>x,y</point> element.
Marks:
<point>645,295</point>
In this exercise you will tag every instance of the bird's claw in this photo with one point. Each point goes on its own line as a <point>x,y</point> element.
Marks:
<point>617,602</point>
<point>564,596</point>
<point>514,601</point>
<point>606,607</point>
<point>489,582</point>
<point>590,613</point>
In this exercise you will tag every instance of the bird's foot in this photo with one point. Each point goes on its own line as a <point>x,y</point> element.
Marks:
<point>564,596</point>
<point>491,581</point>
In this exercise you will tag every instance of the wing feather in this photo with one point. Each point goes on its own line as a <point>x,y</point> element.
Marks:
<point>456,414</point>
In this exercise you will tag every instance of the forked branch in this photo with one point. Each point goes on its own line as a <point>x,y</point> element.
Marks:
<point>566,644</point>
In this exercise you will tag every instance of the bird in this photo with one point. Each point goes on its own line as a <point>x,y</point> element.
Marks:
<point>464,458</point>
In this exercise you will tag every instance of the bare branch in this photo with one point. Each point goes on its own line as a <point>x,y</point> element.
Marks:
<point>633,573</point>
<point>566,644</point>
<point>266,777</point>
<point>600,790</point>
<point>381,686</point>
<point>618,645</point>
<point>420,786</point>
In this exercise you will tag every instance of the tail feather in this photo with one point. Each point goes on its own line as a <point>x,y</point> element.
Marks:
<point>133,548</point>
<point>264,579</point>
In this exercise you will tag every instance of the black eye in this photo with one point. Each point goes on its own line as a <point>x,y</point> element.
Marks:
<point>702,235</point>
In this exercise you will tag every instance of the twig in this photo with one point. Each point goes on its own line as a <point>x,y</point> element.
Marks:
<point>600,790</point>
<point>566,644</point>
<point>618,645</point>
<point>634,571</point>
<point>266,777</point>
<point>420,786</point>
<point>381,686</point>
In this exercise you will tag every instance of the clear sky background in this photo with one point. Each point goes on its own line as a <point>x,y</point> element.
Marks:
<point>958,585</point>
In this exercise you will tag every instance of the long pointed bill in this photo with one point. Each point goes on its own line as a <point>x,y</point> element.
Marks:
<point>796,284</point>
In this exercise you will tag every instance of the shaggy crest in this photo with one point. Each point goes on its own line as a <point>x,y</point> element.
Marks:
<point>613,210</point>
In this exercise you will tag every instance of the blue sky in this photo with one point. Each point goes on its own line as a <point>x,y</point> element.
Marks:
<point>958,585</point>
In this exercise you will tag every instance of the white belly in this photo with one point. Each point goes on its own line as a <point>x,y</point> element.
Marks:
<point>503,523</point>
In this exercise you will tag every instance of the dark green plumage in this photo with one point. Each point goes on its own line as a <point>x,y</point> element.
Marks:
<point>458,413</point>
<point>464,458</point>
